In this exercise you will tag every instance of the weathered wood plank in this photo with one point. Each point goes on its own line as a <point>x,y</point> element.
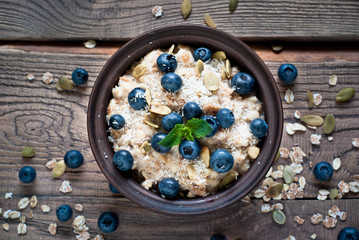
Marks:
<point>121,20</point>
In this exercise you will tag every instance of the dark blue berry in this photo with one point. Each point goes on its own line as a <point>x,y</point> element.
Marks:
<point>123,160</point>
<point>218,236</point>
<point>192,110</point>
<point>323,171</point>
<point>169,188</point>
<point>287,73</point>
<point>213,123</point>
<point>189,149</point>
<point>348,233</point>
<point>137,99</point>
<point>112,188</point>
<point>116,121</point>
<point>259,128</point>
<point>202,53</point>
<point>169,121</point>
<point>79,76</point>
<point>156,139</point>
<point>64,213</point>
<point>27,174</point>
<point>73,159</point>
<point>225,118</point>
<point>171,82</point>
<point>167,62</point>
<point>243,83</point>
<point>221,161</point>
<point>108,222</point>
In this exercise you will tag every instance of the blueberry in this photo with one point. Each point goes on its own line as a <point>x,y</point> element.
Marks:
<point>348,233</point>
<point>323,171</point>
<point>202,53</point>
<point>221,161</point>
<point>169,187</point>
<point>225,118</point>
<point>123,160</point>
<point>137,99</point>
<point>79,76</point>
<point>218,236</point>
<point>108,222</point>
<point>243,83</point>
<point>213,123</point>
<point>112,188</point>
<point>189,149</point>
<point>73,159</point>
<point>64,213</point>
<point>287,73</point>
<point>156,139</point>
<point>116,121</point>
<point>27,174</point>
<point>167,62</point>
<point>171,82</point>
<point>192,110</point>
<point>169,121</point>
<point>259,127</point>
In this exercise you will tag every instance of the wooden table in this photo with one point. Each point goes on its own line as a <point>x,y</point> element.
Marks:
<point>320,37</point>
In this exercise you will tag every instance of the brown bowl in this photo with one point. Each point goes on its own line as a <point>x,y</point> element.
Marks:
<point>164,37</point>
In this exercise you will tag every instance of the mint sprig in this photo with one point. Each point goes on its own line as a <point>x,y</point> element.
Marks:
<point>194,128</point>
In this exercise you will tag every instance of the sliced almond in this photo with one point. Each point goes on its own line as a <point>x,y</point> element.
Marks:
<point>199,67</point>
<point>336,163</point>
<point>289,96</point>
<point>148,96</point>
<point>223,73</point>
<point>253,152</point>
<point>160,110</point>
<point>228,69</point>
<point>269,172</point>
<point>152,124</point>
<point>139,71</point>
<point>211,81</point>
<point>33,201</point>
<point>299,127</point>
<point>192,173</point>
<point>289,128</point>
<point>205,155</point>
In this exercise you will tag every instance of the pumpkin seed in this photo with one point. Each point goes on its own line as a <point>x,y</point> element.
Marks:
<point>199,67</point>
<point>145,147</point>
<point>148,96</point>
<point>186,8</point>
<point>211,81</point>
<point>205,155</point>
<point>345,94</point>
<point>333,80</point>
<point>329,124</point>
<point>28,152</point>
<point>312,120</point>
<point>209,21</point>
<point>219,55</point>
<point>59,169</point>
<point>333,193</point>
<point>288,174</point>
<point>279,217</point>
<point>274,190</point>
<point>227,180</point>
<point>139,71</point>
<point>160,110</point>
<point>152,124</point>
<point>232,5</point>
<point>64,84</point>
<point>253,152</point>
<point>310,99</point>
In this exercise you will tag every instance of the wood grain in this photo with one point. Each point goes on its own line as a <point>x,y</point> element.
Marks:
<point>309,20</point>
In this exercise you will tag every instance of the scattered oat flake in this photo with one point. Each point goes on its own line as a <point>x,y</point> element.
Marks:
<point>296,155</point>
<point>83,236</point>
<point>299,220</point>
<point>6,226</point>
<point>6,213</point>
<point>334,211</point>
<point>343,187</point>
<point>157,11</point>
<point>355,142</point>
<point>45,208</point>
<point>290,237</point>
<point>65,187</point>
<point>297,167</point>
<point>289,96</point>
<point>52,228</point>
<point>51,164</point>
<point>246,199</point>
<point>289,128</point>
<point>23,219</point>
<point>315,139</point>
<point>8,195</point>
<point>336,163</point>
<point>79,207</point>
<point>302,182</point>
<point>330,138</point>
<point>30,76</point>
<point>329,222</point>
<point>343,216</point>
<point>269,172</point>
<point>30,215</point>
<point>354,187</point>
<point>316,218</point>
<point>78,221</point>
<point>23,203</point>
<point>299,127</point>
<point>313,236</point>
<point>317,99</point>
<point>48,78</point>
<point>90,44</point>
<point>277,174</point>
<point>277,206</point>
<point>14,215</point>
<point>265,208</point>
<point>312,127</point>
<point>21,228</point>
<point>266,199</point>
<point>297,114</point>
<point>259,193</point>
<point>333,80</point>
<point>99,237</point>
<point>284,152</point>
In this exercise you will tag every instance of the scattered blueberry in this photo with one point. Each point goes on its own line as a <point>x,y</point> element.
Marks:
<point>169,187</point>
<point>189,149</point>
<point>112,188</point>
<point>108,222</point>
<point>221,161</point>
<point>171,82</point>
<point>169,121</point>
<point>213,123</point>
<point>116,121</point>
<point>225,118</point>
<point>192,110</point>
<point>202,53</point>
<point>348,233</point>
<point>137,99</point>
<point>73,159</point>
<point>243,83</point>
<point>259,127</point>
<point>323,171</point>
<point>79,76</point>
<point>156,139</point>
<point>287,73</point>
<point>27,174</point>
<point>167,62</point>
<point>64,213</point>
<point>218,236</point>
<point>123,160</point>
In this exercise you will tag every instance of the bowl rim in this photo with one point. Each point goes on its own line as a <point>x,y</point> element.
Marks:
<point>188,34</point>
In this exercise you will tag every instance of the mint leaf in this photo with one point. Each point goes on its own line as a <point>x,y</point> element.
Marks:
<point>174,137</point>
<point>199,127</point>
<point>186,133</point>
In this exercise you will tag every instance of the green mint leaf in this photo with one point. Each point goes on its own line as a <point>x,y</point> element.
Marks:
<point>174,137</point>
<point>199,127</point>
<point>186,133</point>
